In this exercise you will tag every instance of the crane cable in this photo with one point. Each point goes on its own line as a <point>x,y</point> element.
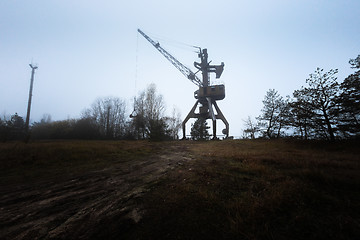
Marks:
<point>136,74</point>
<point>177,44</point>
<point>174,43</point>
<point>136,61</point>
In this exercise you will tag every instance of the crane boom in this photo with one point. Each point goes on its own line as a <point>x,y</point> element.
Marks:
<point>182,68</point>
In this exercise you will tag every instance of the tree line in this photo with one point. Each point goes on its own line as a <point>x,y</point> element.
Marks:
<point>106,118</point>
<point>322,109</point>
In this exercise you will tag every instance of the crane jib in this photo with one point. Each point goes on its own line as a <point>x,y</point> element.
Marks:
<point>181,67</point>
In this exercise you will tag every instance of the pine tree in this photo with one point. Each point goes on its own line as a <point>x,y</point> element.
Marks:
<point>349,101</point>
<point>199,130</point>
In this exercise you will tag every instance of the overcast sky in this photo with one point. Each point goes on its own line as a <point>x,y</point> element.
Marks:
<point>87,49</point>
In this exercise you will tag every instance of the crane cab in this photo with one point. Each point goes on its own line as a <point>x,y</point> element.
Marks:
<point>215,92</point>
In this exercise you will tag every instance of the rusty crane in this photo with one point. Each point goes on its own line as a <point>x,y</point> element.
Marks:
<point>207,94</point>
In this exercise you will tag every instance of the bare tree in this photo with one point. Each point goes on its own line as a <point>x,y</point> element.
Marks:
<point>46,118</point>
<point>251,128</point>
<point>110,115</point>
<point>174,123</point>
<point>149,120</point>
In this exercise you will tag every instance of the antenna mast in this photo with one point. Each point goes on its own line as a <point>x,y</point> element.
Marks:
<point>33,68</point>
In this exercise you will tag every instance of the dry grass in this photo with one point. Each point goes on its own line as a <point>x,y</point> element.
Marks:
<point>39,161</point>
<point>262,190</point>
<point>239,189</point>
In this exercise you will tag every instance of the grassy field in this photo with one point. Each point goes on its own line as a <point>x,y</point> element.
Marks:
<point>39,161</point>
<point>236,189</point>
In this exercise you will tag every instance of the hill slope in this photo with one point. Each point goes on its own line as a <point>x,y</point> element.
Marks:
<point>180,190</point>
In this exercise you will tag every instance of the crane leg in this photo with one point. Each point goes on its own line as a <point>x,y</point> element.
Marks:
<point>221,116</point>
<point>212,115</point>
<point>214,130</point>
<point>191,114</point>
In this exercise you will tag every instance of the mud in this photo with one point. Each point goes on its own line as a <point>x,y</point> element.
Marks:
<point>99,204</point>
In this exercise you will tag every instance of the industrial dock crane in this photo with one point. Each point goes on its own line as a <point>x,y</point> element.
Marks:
<point>207,94</point>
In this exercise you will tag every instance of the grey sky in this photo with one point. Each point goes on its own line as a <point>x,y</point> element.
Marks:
<point>88,49</point>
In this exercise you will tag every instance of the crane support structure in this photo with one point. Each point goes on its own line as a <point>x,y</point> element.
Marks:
<point>207,94</point>
<point>181,67</point>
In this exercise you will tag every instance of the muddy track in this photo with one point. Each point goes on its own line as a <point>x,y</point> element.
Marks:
<point>101,204</point>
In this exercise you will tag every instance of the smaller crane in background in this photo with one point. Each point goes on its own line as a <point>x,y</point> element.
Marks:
<point>207,94</point>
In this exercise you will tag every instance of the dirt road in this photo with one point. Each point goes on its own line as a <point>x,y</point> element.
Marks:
<point>98,204</point>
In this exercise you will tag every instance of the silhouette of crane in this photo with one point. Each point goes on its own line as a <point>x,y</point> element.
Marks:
<point>207,94</point>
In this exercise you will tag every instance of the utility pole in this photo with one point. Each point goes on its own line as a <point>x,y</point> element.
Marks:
<point>33,68</point>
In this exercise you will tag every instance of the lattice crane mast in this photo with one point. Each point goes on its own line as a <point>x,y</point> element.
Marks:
<point>207,95</point>
<point>181,67</point>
